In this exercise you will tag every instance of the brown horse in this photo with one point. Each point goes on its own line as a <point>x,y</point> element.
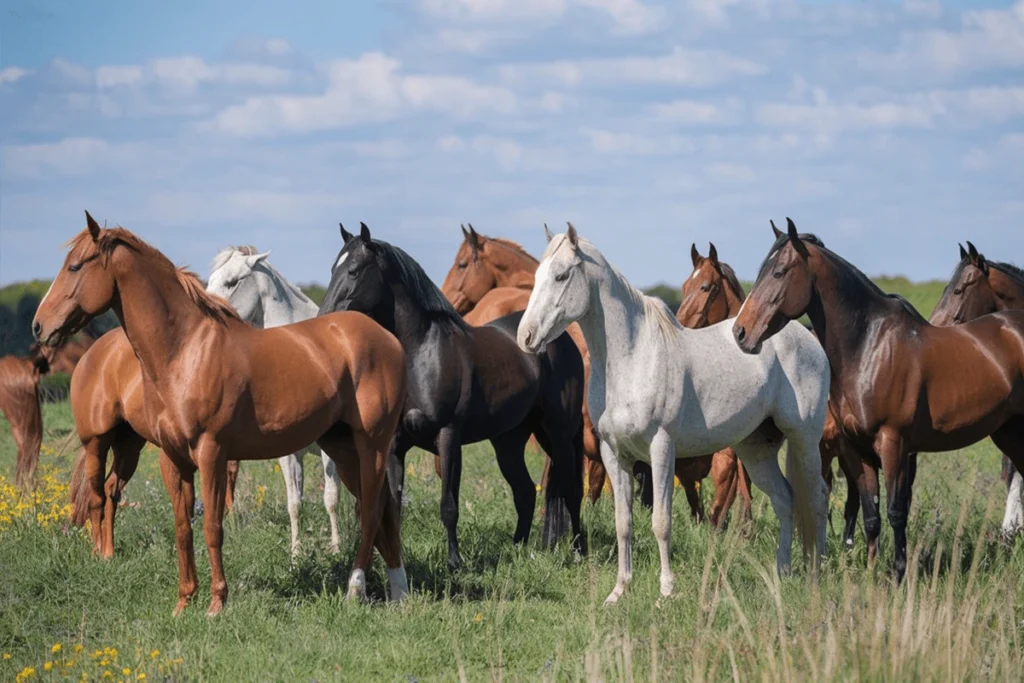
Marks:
<point>899,384</point>
<point>711,294</point>
<point>216,389</point>
<point>109,409</point>
<point>19,403</point>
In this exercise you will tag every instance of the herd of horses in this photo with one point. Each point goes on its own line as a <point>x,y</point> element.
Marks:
<point>565,351</point>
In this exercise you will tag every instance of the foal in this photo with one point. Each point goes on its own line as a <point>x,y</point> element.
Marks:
<point>895,387</point>
<point>216,389</point>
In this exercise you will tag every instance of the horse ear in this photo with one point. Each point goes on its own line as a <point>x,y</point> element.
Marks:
<point>94,227</point>
<point>778,233</point>
<point>982,264</point>
<point>963,252</point>
<point>574,239</point>
<point>465,233</point>
<point>474,237</point>
<point>256,258</point>
<point>794,238</point>
<point>713,254</point>
<point>345,234</point>
<point>364,232</point>
<point>547,233</point>
<point>695,255</point>
<point>972,251</point>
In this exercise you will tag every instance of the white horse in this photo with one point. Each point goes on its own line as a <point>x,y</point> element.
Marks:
<point>263,297</point>
<point>660,392</point>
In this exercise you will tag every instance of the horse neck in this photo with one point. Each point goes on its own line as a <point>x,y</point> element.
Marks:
<point>283,303</point>
<point>155,311</point>
<point>841,310</point>
<point>733,301</point>
<point>510,266</point>
<point>616,312</point>
<point>1008,288</point>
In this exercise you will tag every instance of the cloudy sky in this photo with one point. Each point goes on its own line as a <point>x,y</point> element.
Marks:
<point>891,129</point>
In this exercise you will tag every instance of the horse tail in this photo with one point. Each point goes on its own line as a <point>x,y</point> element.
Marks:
<point>803,470</point>
<point>32,435</point>
<point>78,491</point>
<point>19,402</point>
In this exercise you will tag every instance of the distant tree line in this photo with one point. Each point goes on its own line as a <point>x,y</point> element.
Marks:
<point>16,325</point>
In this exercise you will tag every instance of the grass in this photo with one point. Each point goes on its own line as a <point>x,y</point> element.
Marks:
<point>511,613</point>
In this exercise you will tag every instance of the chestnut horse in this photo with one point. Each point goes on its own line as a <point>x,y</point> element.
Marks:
<point>109,410</point>
<point>216,389</point>
<point>19,403</point>
<point>895,389</point>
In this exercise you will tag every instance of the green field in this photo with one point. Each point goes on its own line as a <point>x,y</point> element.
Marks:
<point>511,613</point>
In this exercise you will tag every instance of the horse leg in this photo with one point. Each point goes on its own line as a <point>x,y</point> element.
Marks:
<point>213,468</point>
<point>642,472</point>
<point>95,471</point>
<point>690,472</point>
<point>1010,440</point>
<point>400,446</point>
<point>849,463</point>
<point>508,449</point>
<point>291,470</point>
<point>896,466</point>
<point>179,482</point>
<point>331,481</point>
<point>232,480</point>
<point>867,488</point>
<point>760,458</point>
<point>743,489</point>
<point>663,458</point>
<point>127,448</point>
<point>622,479</point>
<point>1013,517</point>
<point>449,446</point>
<point>724,473</point>
<point>565,490</point>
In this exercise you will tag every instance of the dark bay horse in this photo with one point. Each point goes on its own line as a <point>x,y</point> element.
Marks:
<point>899,384</point>
<point>216,389</point>
<point>19,403</point>
<point>469,384</point>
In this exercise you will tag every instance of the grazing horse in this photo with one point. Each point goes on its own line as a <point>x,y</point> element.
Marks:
<point>659,391</point>
<point>263,297</point>
<point>978,287</point>
<point>899,384</point>
<point>468,384</point>
<point>216,389</point>
<point>19,403</point>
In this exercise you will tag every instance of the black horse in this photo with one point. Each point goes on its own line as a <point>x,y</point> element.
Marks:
<point>468,384</point>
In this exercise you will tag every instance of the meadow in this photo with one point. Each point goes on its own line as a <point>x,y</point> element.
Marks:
<point>511,613</point>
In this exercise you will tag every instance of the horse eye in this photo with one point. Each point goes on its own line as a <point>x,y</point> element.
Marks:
<point>230,283</point>
<point>74,267</point>
<point>958,291</point>
<point>778,274</point>
<point>706,287</point>
<point>463,265</point>
<point>562,277</point>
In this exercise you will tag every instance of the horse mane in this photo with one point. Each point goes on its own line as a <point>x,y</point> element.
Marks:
<point>514,246</point>
<point>1014,272</point>
<point>110,238</point>
<point>421,288</point>
<point>729,275</point>
<point>850,278</point>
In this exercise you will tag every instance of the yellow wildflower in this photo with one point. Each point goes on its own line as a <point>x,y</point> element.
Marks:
<point>478,618</point>
<point>7,655</point>
<point>79,647</point>
<point>141,676</point>
<point>25,674</point>
<point>126,671</point>
<point>154,654</point>
<point>56,648</point>
<point>47,666</point>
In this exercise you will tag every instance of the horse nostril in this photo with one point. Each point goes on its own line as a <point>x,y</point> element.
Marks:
<point>741,333</point>
<point>529,338</point>
<point>37,329</point>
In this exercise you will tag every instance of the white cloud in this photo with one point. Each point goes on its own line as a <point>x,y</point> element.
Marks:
<point>830,117</point>
<point>678,67</point>
<point>506,152</point>
<point>628,16</point>
<point>986,39</point>
<point>730,173</point>
<point>11,74</point>
<point>610,142</point>
<point>370,88</point>
<point>80,156</point>
<point>698,111</point>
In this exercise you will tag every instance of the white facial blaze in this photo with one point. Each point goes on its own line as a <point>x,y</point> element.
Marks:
<point>341,259</point>
<point>47,293</point>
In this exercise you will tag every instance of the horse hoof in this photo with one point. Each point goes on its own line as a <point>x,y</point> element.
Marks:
<point>180,607</point>
<point>215,609</point>
<point>356,586</point>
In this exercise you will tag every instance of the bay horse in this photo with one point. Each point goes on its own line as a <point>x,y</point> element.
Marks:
<point>108,406</point>
<point>19,403</point>
<point>659,391</point>
<point>469,384</point>
<point>895,387</point>
<point>978,287</point>
<point>216,389</point>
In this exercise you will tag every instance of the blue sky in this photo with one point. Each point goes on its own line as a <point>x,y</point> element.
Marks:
<point>891,129</point>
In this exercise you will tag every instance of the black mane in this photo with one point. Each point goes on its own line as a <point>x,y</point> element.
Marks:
<point>730,277</point>
<point>424,292</point>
